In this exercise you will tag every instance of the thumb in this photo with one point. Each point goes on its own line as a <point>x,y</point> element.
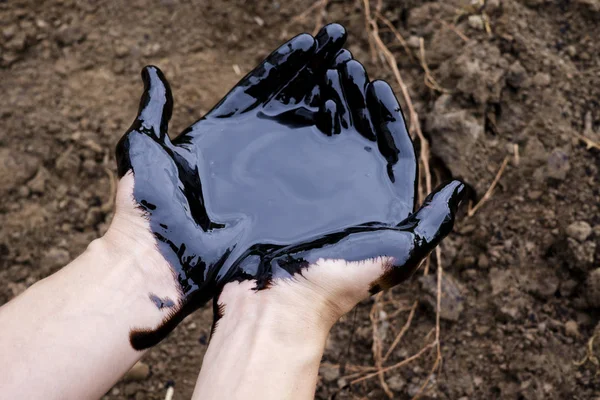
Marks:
<point>156,105</point>
<point>435,219</point>
<point>418,235</point>
<point>372,257</point>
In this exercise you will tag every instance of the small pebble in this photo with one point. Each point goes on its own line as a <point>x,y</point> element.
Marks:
<point>567,287</point>
<point>121,50</point>
<point>24,191</point>
<point>329,373</point>
<point>516,75</point>
<point>541,79</point>
<point>259,21</point>
<point>396,383</point>
<point>572,329</point>
<point>9,31</point>
<point>38,183</point>
<point>476,22</point>
<point>203,340</point>
<point>56,257</point>
<point>493,7</point>
<point>579,230</point>
<point>413,42</point>
<point>534,194</point>
<point>558,165</point>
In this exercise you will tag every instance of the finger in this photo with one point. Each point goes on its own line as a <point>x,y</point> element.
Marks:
<point>329,41</point>
<point>334,91</point>
<point>156,105</point>
<point>328,120</point>
<point>427,227</point>
<point>314,96</point>
<point>159,194</point>
<point>393,140</point>
<point>343,56</point>
<point>434,220</point>
<point>266,80</point>
<point>354,80</point>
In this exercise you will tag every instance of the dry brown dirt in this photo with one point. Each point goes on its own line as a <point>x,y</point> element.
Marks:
<point>523,270</point>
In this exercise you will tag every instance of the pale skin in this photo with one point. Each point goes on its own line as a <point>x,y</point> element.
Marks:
<point>67,336</point>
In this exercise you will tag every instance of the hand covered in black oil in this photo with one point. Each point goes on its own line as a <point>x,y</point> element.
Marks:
<point>304,160</point>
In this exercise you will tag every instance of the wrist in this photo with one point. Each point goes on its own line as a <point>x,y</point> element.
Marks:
<point>133,269</point>
<point>138,257</point>
<point>262,348</point>
<point>115,287</point>
<point>129,243</point>
<point>129,238</point>
<point>279,311</point>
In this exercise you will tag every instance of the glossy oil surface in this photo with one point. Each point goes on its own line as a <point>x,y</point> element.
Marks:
<point>304,159</point>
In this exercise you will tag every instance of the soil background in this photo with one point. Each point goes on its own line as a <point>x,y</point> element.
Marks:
<point>522,286</point>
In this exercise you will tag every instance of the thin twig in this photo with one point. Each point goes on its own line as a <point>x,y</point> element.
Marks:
<point>489,192</point>
<point>318,5</point>
<point>319,20</point>
<point>305,13</point>
<point>517,158</point>
<point>351,367</point>
<point>402,331</point>
<point>454,29</point>
<point>429,80</point>
<point>486,23</point>
<point>397,34</point>
<point>590,356</point>
<point>378,344</point>
<point>396,313</point>
<point>427,265</point>
<point>397,365</point>
<point>431,373</point>
<point>368,25</point>
<point>588,131</point>
<point>355,374</point>
<point>438,311</point>
<point>429,334</point>
<point>589,143</point>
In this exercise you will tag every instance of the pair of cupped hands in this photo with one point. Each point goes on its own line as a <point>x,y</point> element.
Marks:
<point>295,192</point>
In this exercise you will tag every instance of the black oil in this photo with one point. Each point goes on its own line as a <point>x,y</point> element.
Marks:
<point>161,303</point>
<point>305,158</point>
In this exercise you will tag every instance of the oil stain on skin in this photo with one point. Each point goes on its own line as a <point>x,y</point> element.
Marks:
<point>161,303</point>
<point>305,158</point>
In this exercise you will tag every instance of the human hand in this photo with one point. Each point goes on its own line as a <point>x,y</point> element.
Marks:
<point>305,161</point>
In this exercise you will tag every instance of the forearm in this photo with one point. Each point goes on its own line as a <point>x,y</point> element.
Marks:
<point>259,351</point>
<point>67,336</point>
